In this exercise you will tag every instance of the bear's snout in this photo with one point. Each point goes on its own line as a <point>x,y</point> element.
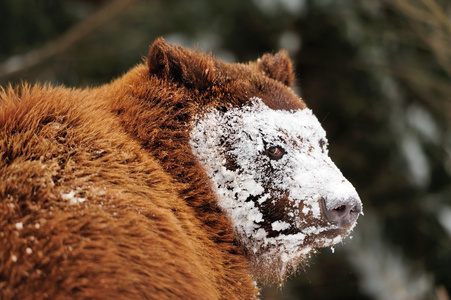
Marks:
<point>343,213</point>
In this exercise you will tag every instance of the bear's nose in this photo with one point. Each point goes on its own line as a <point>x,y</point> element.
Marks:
<point>342,213</point>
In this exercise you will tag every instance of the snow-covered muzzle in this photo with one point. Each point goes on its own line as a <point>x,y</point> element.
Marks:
<point>272,175</point>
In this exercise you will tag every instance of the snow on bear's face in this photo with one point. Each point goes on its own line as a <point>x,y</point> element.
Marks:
<point>273,177</point>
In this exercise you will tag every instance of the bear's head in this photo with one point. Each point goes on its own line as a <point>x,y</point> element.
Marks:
<point>265,154</point>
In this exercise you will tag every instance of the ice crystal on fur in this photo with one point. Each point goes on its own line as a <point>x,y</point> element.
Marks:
<point>253,188</point>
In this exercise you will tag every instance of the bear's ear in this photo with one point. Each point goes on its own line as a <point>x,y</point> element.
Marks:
<point>277,66</point>
<point>180,65</point>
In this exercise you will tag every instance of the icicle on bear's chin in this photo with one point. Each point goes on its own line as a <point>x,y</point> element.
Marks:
<point>273,177</point>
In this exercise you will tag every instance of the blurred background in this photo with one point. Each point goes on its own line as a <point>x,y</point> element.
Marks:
<point>376,74</point>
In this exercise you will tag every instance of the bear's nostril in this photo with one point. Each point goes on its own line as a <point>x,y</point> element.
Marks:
<point>356,209</point>
<point>343,214</point>
<point>340,208</point>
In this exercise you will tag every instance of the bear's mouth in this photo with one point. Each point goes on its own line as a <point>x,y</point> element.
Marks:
<point>281,219</point>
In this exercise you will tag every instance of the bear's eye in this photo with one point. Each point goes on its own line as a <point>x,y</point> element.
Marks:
<point>275,153</point>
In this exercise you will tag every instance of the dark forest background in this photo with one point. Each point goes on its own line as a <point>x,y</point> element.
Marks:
<point>376,74</point>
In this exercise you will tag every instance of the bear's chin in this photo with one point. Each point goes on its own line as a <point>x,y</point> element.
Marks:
<point>274,267</point>
<point>273,263</point>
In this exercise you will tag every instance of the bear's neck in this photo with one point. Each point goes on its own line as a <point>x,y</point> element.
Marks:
<point>159,116</point>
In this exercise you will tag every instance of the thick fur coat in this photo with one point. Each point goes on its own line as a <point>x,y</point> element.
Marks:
<point>101,196</point>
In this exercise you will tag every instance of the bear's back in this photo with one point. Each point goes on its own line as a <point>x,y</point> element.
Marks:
<point>87,213</point>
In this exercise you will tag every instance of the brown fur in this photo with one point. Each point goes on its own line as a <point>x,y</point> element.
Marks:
<point>149,226</point>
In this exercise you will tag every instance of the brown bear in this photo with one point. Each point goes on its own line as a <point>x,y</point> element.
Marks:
<point>186,178</point>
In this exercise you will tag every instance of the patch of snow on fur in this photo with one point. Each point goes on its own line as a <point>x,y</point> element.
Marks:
<point>280,225</point>
<point>71,198</point>
<point>19,225</point>
<point>303,176</point>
